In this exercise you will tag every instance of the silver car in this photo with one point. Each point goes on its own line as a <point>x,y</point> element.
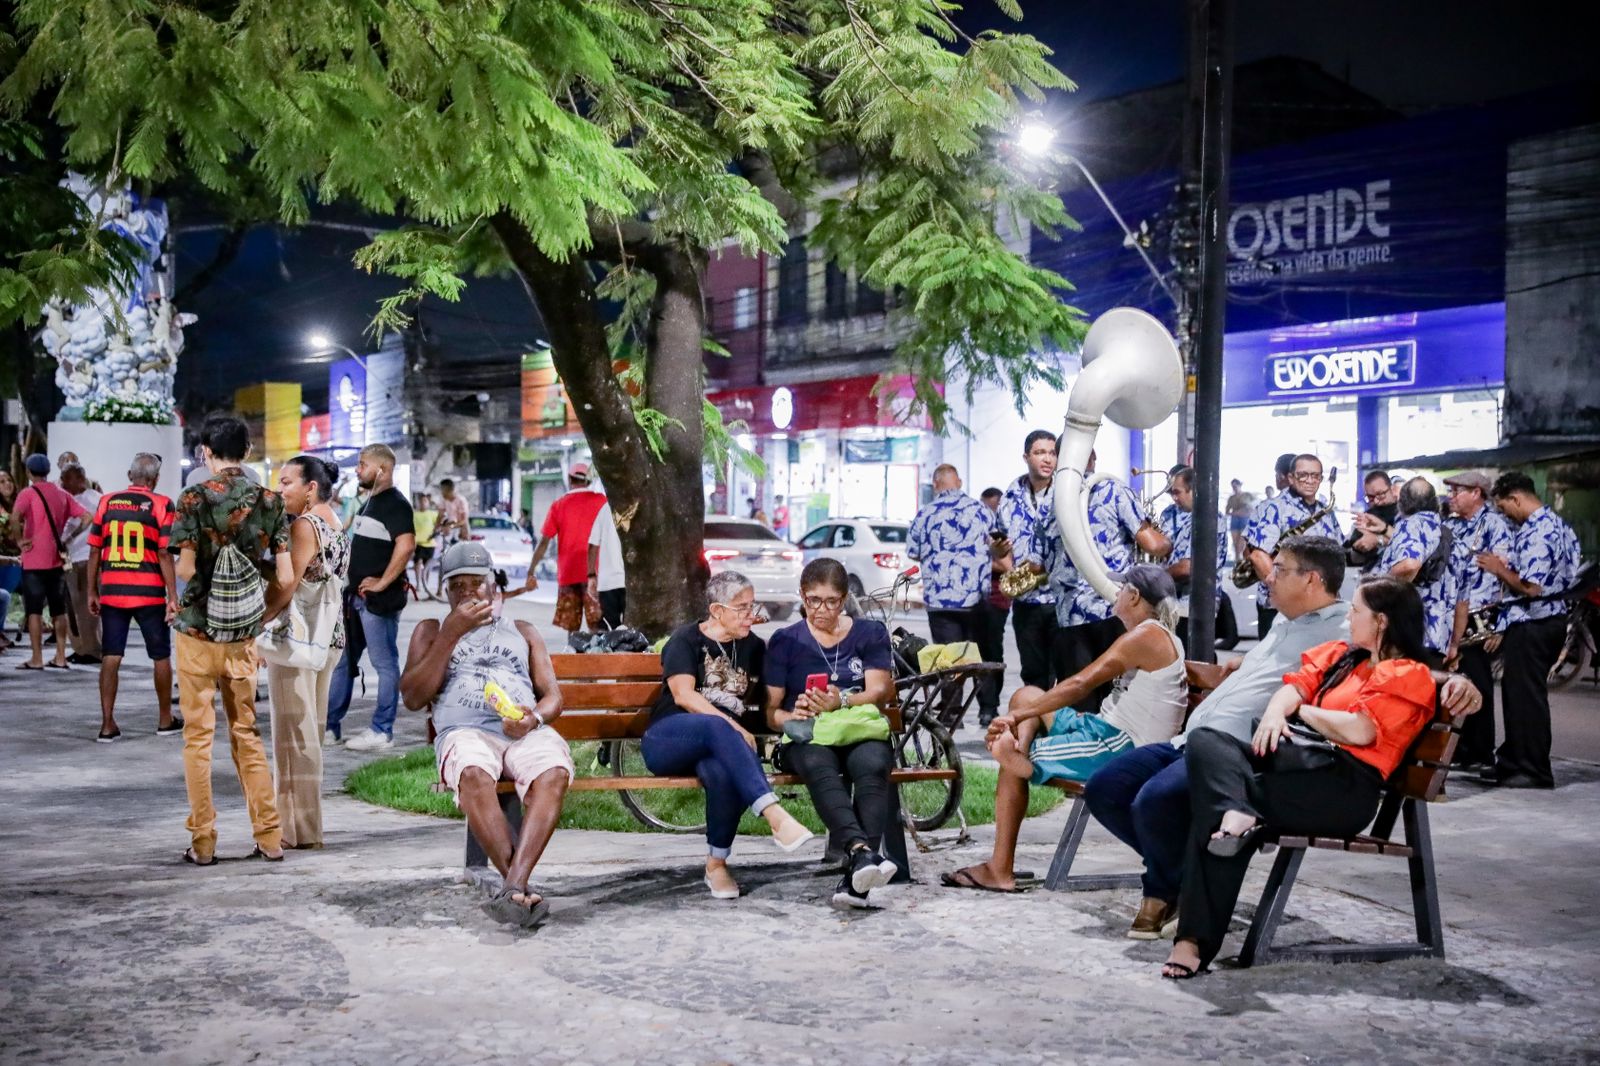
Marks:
<point>771,563</point>
<point>872,550</point>
<point>509,546</point>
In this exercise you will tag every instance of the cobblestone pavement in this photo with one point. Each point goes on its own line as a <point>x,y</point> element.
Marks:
<point>375,951</point>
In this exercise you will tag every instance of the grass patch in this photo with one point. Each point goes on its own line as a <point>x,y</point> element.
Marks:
<point>405,783</point>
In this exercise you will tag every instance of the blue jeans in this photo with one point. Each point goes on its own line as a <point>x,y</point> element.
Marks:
<point>1142,796</point>
<point>378,635</point>
<point>711,749</point>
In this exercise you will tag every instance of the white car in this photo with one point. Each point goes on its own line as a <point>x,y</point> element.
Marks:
<point>509,546</point>
<point>771,563</point>
<point>873,551</point>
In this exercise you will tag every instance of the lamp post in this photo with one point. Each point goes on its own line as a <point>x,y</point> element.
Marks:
<point>321,344</point>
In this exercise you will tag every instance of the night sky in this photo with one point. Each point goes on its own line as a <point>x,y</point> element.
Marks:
<point>1413,56</point>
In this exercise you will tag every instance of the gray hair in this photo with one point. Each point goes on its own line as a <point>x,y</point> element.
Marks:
<point>726,585</point>
<point>146,469</point>
<point>75,468</point>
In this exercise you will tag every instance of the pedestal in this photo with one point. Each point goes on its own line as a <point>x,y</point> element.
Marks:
<point>106,450</point>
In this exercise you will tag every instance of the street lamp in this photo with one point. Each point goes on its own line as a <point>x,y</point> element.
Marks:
<point>321,344</point>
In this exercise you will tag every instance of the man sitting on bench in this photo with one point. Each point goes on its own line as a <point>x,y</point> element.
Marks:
<point>449,665</point>
<point>1142,795</point>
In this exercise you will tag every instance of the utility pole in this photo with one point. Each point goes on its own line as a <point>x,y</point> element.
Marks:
<point>1186,225</point>
<point>1212,22</point>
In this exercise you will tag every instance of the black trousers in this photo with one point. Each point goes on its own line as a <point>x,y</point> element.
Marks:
<point>1529,650</point>
<point>1034,627</point>
<point>1226,631</point>
<point>974,624</point>
<point>1077,647</point>
<point>1283,792</point>
<point>1477,731</point>
<point>1264,617</point>
<point>612,603</point>
<point>830,774</point>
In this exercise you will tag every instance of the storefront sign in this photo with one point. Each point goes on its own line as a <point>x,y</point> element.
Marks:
<point>347,404</point>
<point>385,396</point>
<point>313,433</point>
<point>1377,366</point>
<point>844,403</point>
<point>782,408</point>
<point>546,409</point>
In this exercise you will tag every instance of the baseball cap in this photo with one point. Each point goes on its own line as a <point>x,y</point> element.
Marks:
<point>578,472</point>
<point>38,465</point>
<point>1152,582</point>
<point>466,557</point>
<point>1471,479</point>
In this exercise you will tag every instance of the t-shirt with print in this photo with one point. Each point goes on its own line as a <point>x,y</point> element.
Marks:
<point>795,654</point>
<point>226,508</point>
<point>385,517</point>
<point>132,530</point>
<point>727,673</point>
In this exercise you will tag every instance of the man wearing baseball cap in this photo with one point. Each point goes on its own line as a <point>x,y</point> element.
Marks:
<point>44,517</point>
<point>494,696</point>
<point>569,523</point>
<point>1476,527</point>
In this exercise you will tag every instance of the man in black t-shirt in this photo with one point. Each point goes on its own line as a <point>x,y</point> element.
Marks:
<point>382,538</point>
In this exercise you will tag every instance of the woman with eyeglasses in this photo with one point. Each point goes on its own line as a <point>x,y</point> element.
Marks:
<point>713,675</point>
<point>816,667</point>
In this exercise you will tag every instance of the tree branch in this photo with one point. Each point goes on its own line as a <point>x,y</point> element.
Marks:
<point>757,168</point>
<point>227,251</point>
<point>620,240</point>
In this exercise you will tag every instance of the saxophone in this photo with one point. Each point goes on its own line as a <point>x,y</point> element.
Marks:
<point>1244,574</point>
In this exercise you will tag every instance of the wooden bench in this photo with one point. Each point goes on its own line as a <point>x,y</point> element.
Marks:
<point>608,697</point>
<point>1202,678</point>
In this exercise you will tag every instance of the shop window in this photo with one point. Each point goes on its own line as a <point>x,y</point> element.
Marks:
<point>868,299</point>
<point>792,281</point>
<point>744,308</point>
<point>837,284</point>
<point>817,538</point>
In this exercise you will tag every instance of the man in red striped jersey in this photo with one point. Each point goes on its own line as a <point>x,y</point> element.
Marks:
<point>131,580</point>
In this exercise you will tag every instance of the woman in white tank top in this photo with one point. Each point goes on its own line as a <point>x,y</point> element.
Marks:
<point>1041,738</point>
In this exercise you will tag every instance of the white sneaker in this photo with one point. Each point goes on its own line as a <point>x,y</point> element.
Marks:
<point>328,739</point>
<point>369,740</point>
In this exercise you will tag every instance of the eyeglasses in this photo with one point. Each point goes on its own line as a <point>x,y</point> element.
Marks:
<point>1308,475</point>
<point>1279,568</point>
<point>742,610</point>
<point>820,603</point>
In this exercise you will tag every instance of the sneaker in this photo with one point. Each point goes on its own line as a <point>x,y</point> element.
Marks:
<point>170,730</point>
<point>847,896</point>
<point>869,870</point>
<point>330,739</point>
<point>1151,921</point>
<point>107,738</point>
<point>369,740</point>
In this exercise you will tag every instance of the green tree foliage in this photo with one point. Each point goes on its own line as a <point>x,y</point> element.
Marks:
<point>600,148</point>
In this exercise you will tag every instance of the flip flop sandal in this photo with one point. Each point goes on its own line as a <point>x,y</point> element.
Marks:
<point>963,879</point>
<point>1230,844</point>
<point>259,854</point>
<point>57,666</point>
<point>1189,972</point>
<point>28,666</point>
<point>504,907</point>
<point>194,860</point>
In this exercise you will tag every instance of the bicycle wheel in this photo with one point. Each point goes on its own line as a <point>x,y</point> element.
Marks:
<point>673,810</point>
<point>927,805</point>
<point>1570,663</point>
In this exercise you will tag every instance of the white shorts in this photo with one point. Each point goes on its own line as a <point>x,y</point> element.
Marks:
<point>499,756</point>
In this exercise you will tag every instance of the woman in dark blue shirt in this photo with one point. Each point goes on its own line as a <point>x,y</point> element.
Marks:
<point>853,656</point>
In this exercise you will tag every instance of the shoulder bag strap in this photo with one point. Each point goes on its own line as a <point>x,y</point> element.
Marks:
<point>55,531</point>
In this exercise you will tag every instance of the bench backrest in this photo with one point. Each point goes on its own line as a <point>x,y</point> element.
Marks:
<point>1421,773</point>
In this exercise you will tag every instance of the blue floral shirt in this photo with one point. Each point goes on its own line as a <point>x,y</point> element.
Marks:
<point>950,538</point>
<point>1030,524</point>
<point>1177,525</point>
<point>1544,551</point>
<point>1416,536</point>
<point>1114,519</point>
<point>1272,517</point>
<point>1486,531</point>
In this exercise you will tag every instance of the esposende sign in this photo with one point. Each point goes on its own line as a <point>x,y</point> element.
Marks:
<point>1388,365</point>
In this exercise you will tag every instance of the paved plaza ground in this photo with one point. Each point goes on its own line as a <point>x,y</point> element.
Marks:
<point>374,951</point>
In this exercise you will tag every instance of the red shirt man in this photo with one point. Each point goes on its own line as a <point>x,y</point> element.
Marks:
<point>569,523</point>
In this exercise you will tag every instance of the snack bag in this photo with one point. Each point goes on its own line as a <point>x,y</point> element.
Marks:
<point>499,699</point>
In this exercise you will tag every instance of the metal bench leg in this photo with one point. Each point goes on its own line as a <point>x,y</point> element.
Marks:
<point>1424,881</point>
<point>511,807</point>
<point>1269,911</point>
<point>1060,877</point>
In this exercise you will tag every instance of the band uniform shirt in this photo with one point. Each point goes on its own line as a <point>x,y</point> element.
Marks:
<point>1029,519</point>
<point>950,538</point>
<point>226,508</point>
<point>1114,521</point>
<point>1544,551</point>
<point>1486,531</point>
<point>384,518</point>
<point>131,531</point>
<point>1416,536</point>
<point>1272,518</point>
<point>1177,525</point>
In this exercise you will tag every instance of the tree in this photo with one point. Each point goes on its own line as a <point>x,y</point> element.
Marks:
<point>599,148</point>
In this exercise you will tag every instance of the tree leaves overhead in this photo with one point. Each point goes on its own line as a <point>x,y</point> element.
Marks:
<point>692,122</point>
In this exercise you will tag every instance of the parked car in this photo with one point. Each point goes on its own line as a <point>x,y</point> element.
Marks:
<point>509,544</point>
<point>771,563</point>
<point>873,551</point>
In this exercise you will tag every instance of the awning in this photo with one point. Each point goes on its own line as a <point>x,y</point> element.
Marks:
<point>1517,453</point>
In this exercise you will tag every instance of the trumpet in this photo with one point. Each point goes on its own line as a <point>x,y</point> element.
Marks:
<point>1244,573</point>
<point>1150,516</point>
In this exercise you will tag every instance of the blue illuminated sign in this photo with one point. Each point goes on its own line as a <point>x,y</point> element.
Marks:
<point>1382,365</point>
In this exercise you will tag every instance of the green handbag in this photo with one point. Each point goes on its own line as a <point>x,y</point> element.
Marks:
<point>850,725</point>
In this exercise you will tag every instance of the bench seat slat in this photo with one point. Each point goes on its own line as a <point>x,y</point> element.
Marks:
<point>613,666</point>
<point>609,696</point>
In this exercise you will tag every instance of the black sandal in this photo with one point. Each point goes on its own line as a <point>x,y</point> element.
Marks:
<point>259,854</point>
<point>504,907</point>
<point>1188,973</point>
<point>192,859</point>
<point>1230,844</point>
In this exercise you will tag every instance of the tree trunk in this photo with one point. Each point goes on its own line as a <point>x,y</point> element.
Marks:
<point>658,504</point>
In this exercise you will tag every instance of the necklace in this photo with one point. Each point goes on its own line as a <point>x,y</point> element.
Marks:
<point>833,666</point>
<point>730,653</point>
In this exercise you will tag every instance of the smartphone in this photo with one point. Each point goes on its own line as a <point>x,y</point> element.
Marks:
<point>816,682</point>
<point>997,534</point>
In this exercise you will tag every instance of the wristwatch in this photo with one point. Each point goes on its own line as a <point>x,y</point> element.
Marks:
<point>538,716</point>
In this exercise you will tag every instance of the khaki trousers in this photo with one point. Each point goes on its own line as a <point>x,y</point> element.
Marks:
<point>299,706</point>
<point>204,669</point>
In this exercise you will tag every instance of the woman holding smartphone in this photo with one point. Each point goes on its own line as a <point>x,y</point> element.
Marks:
<point>824,663</point>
